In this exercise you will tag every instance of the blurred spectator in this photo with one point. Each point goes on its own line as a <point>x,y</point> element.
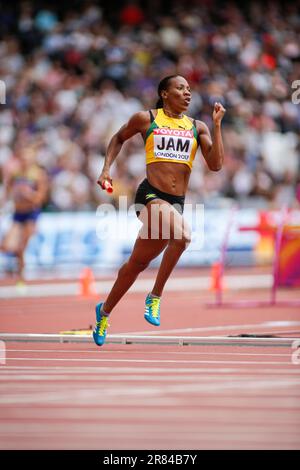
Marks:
<point>74,75</point>
<point>132,14</point>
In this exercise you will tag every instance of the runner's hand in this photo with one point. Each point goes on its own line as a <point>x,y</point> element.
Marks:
<point>218,113</point>
<point>103,178</point>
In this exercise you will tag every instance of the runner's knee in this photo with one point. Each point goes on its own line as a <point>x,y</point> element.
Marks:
<point>181,242</point>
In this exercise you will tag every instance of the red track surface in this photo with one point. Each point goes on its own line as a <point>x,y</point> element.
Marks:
<point>78,396</point>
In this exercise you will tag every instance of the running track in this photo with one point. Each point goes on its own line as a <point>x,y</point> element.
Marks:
<point>154,396</point>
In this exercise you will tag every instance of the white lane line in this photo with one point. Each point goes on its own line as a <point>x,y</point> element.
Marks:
<point>150,430</point>
<point>149,361</point>
<point>114,378</point>
<point>279,405</point>
<point>148,339</point>
<point>149,353</point>
<point>88,395</point>
<point>261,326</point>
<point>14,369</point>
<point>83,379</point>
<point>237,403</point>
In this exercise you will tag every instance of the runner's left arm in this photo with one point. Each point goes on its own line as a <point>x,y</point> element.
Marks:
<point>212,148</point>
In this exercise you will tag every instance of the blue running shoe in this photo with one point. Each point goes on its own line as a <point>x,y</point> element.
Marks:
<point>99,332</point>
<point>152,310</point>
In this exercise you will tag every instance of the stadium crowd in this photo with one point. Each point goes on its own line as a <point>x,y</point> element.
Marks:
<point>74,75</point>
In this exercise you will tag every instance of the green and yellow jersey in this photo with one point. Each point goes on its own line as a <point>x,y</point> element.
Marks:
<point>172,140</point>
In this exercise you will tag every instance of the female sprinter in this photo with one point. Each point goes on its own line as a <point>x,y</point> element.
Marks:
<point>26,184</point>
<point>171,141</point>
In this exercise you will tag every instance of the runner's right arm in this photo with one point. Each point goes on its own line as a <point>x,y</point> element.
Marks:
<point>139,122</point>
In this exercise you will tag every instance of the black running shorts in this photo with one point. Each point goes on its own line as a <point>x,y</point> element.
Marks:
<point>146,193</point>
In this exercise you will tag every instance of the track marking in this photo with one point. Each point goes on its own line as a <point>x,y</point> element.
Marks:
<point>152,430</point>
<point>87,394</point>
<point>149,361</point>
<point>82,379</point>
<point>264,325</point>
<point>166,340</point>
<point>192,353</point>
<point>124,370</point>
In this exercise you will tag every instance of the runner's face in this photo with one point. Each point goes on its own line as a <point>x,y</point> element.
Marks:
<point>178,95</point>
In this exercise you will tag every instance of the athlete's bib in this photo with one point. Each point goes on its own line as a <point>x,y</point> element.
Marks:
<point>172,140</point>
